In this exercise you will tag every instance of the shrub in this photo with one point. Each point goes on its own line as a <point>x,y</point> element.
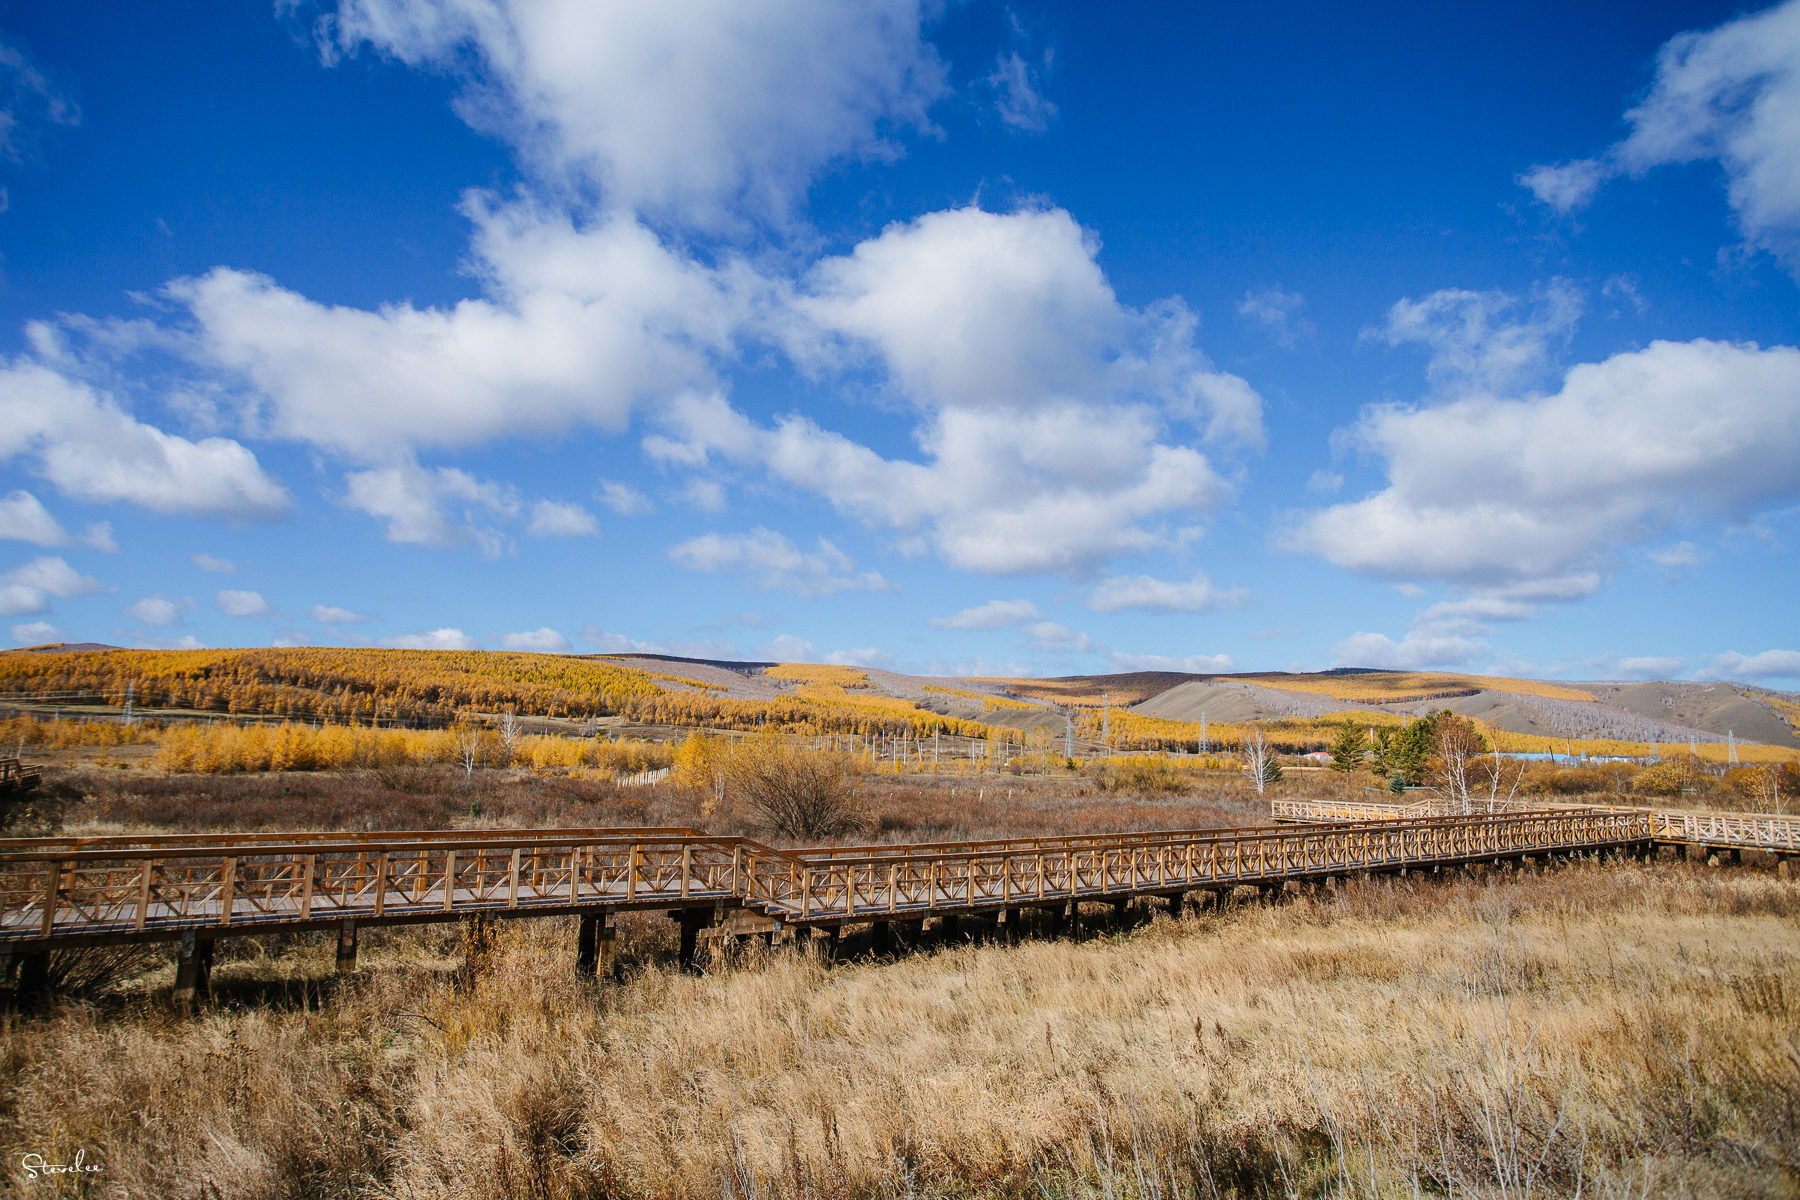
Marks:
<point>795,792</point>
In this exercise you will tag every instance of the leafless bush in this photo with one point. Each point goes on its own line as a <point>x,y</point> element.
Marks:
<point>796,792</point>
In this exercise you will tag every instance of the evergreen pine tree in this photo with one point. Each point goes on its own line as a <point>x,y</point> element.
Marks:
<point>1348,751</point>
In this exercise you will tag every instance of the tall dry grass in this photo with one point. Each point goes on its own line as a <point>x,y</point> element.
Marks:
<point>1607,1031</point>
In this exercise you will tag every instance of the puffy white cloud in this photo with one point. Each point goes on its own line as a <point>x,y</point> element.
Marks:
<point>89,448</point>
<point>1681,554</point>
<point>1475,346</point>
<point>1491,493</point>
<point>771,561</point>
<point>699,111</point>
<point>1043,401</point>
<point>1731,94</point>
<point>32,633</point>
<point>579,327</point>
<point>785,647</point>
<point>433,639</point>
<point>23,518</point>
<point>26,590</point>
<point>1192,664</point>
<point>552,518</point>
<point>867,656</point>
<point>159,611</point>
<point>412,499</point>
<point>622,498</point>
<point>544,640</point>
<point>331,614</point>
<point>1158,595</point>
<point>1018,96</point>
<point>1649,667</point>
<point>1055,636</point>
<point>235,603</point>
<point>1417,651</point>
<point>1770,664</point>
<point>995,614</point>
<point>218,566</point>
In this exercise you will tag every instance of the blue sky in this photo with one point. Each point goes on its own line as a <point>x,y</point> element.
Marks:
<point>981,339</point>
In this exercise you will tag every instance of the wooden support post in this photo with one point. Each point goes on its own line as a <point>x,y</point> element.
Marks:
<point>1737,856</point>
<point>193,971</point>
<point>692,921</point>
<point>881,937</point>
<point>346,952</point>
<point>1072,926</point>
<point>829,935</point>
<point>1681,852</point>
<point>33,981</point>
<point>947,927</point>
<point>1119,907</point>
<point>587,943</point>
<point>1784,870</point>
<point>1009,925</point>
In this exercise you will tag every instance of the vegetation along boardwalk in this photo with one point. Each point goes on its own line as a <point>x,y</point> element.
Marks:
<point>58,893</point>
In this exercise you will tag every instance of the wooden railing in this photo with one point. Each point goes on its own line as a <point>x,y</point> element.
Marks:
<point>95,890</point>
<point>1773,832</point>
<point>16,777</point>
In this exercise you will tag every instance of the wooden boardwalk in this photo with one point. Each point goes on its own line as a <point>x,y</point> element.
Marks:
<point>60,893</point>
<point>1680,827</point>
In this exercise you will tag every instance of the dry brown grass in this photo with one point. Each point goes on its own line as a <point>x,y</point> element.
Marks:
<point>1617,1030</point>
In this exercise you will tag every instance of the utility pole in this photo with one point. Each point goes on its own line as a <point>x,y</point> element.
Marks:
<point>1106,722</point>
<point>1205,745</point>
<point>1731,745</point>
<point>131,689</point>
<point>1068,733</point>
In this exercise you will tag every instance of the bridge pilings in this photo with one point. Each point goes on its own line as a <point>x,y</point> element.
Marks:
<point>595,943</point>
<point>193,971</point>
<point>346,948</point>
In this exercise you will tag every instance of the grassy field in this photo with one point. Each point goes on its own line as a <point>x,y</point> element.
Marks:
<point>1591,1030</point>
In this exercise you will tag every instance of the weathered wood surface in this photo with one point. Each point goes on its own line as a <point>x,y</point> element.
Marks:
<point>1773,832</point>
<point>90,891</point>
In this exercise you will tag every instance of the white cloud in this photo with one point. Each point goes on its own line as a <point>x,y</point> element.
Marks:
<point>1492,493</point>
<point>23,518</point>
<point>1649,667</point>
<point>995,614</point>
<point>579,326</point>
<point>28,102</point>
<point>1055,636</point>
<point>544,640</point>
<point>552,518</point>
<point>1192,664</point>
<point>330,614</point>
<point>412,500</point>
<point>159,611</point>
<point>700,112</point>
<point>34,632</point>
<point>433,639</point>
<point>769,560</point>
<point>138,640</point>
<point>622,498</point>
<point>1770,664</point>
<point>88,448</point>
<point>243,604</point>
<point>1043,401</point>
<point>1474,349</point>
<point>218,566</point>
<point>26,590</point>
<point>1730,94</point>
<point>1681,554</point>
<point>289,638</point>
<point>1417,651</point>
<point>786,648</point>
<point>1019,98</point>
<point>867,656</point>
<point>1324,483</point>
<point>618,643</point>
<point>1150,594</point>
<point>1277,312</point>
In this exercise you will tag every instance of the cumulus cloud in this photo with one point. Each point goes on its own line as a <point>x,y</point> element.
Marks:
<point>433,639</point>
<point>331,614</point>
<point>1485,341</point>
<point>786,647</point>
<point>218,566</point>
<point>771,561</point>
<point>543,640</point>
<point>1417,651</point>
<point>867,656</point>
<point>552,518</point>
<point>1649,667</point>
<point>995,614</point>
<point>1043,402</point>
<point>235,603</point>
<point>1057,637</point>
<point>1192,664</point>
<point>1731,94</point>
<point>1149,594</point>
<point>87,447</point>
<point>33,632</point>
<point>1770,664</point>
<point>622,498</point>
<point>413,499</point>
<point>159,611</point>
<point>699,113</point>
<point>23,518</point>
<point>1488,493</point>
<point>26,590</point>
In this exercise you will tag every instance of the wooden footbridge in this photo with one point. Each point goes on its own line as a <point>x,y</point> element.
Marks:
<point>194,889</point>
